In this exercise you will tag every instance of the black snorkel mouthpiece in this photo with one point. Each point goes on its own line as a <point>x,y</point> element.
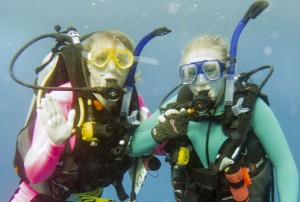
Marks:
<point>254,10</point>
<point>111,92</point>
<point>202,103</point>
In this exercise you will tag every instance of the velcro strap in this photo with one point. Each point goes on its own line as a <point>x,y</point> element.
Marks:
<point>237,185</point>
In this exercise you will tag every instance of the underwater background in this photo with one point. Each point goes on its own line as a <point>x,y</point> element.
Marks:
<point>272,38</point>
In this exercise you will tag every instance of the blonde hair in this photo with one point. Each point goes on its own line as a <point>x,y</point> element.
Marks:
<point>110,35</point>
<point>207,42</point>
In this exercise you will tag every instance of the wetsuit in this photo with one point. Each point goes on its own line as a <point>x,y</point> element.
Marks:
<point>264,124</point>
<point>44,158</point>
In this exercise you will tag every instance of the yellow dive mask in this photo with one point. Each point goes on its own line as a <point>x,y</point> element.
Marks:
<point>122,58</point>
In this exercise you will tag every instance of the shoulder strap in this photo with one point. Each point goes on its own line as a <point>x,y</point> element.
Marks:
<point>237,123</point>
<point>71,56</point>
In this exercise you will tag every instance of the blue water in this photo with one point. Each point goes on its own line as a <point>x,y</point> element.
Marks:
<point>272,38</point>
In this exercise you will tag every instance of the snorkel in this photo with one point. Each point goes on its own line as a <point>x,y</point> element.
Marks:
<point>130,79</point>
<point>132,119</point>
<point>254,10</point>
<point>242,110</point>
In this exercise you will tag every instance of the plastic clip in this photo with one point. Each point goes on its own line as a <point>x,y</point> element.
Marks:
<point>225,163</point>
<point>238,108</point>
<point>132,119</point>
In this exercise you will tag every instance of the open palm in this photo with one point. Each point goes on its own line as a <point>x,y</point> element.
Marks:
<point>57,127</point>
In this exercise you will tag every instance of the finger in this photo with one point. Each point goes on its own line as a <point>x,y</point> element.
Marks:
<point>40,115</point>
<point>57,109</point>
<point>182,110</point>
<point>71,117</point>
<point>44,110</point>
<point>161,118</point>
<point>171,111</point>
<point>52,105</point>
<point>47,107</point>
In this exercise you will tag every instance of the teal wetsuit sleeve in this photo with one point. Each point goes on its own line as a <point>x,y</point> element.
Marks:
<point>142,141</point>
<point>271,136</point>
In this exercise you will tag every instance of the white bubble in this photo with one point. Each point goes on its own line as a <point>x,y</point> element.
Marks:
<point>275,34</point>
<point>174,7</point>
<point>267,50</point>
<point>195,6</point>
<point>145,15</point>
<point>294,110</point>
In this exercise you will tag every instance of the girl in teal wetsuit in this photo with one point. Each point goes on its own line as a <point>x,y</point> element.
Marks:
<point>203,71</point>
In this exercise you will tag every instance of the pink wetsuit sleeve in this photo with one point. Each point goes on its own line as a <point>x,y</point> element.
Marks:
<point>42,157</point>
<point>142,103</point>
<point>25,193</point>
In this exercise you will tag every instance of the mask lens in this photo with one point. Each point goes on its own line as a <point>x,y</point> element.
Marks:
<point>211,69</point>
<point>123,58</point>
<point>188,73</point>
<point>102,58</point>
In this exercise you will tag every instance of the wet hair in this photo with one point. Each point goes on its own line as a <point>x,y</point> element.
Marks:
<point>207,42</point>
<point>110,35</point>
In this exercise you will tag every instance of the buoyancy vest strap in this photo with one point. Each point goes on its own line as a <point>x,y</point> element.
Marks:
<point>239,135</point>
<point>245,118</point>
<point>71,55</point>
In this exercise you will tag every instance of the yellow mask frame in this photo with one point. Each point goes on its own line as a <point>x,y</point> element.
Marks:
<point>122,58</point>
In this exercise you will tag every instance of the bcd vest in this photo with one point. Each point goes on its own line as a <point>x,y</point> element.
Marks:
<point>87,167</point>
<point>210,185</point>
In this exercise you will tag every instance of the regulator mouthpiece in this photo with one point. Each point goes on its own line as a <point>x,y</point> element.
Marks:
<point>112,91</point>
<point>202,102</point>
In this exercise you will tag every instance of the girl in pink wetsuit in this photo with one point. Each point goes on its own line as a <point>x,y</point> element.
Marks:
<point>62,166</point>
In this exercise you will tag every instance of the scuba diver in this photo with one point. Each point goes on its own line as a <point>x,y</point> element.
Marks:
<point>80,137</point>
<point>197,139</point>
<point>219,149</point>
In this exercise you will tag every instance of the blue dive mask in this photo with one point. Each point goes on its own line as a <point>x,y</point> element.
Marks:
<point>212,70</point>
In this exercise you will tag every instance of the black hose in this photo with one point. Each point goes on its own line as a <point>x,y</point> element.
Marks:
<point>247,75</point>
<point>166,96</point>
